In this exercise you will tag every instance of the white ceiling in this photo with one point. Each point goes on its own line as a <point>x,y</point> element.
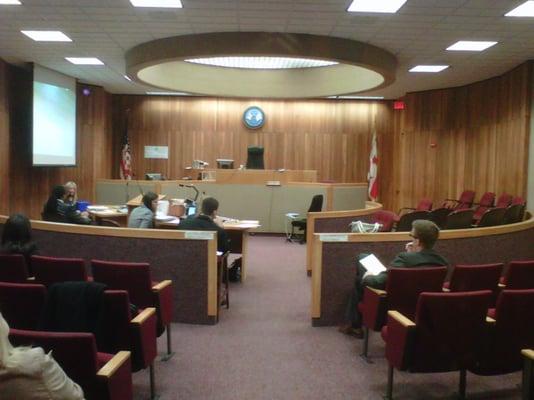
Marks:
<point>417,34</point>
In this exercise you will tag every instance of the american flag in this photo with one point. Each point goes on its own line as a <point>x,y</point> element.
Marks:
<point>372,176</point>
<point>126,155</point>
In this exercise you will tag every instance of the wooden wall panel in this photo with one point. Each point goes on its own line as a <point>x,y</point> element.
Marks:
<point>329,136</point>
<point>480,133</point>
<point>4,139</point>
<point>30,186</point>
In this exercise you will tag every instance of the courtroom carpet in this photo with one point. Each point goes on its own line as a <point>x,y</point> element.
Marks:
<point>264,347</point>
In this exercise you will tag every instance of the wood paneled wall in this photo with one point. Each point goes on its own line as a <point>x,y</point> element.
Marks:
<point>332,137</point>
<point>4,139</point>
<point>30,186</point>
<point>472,137</point>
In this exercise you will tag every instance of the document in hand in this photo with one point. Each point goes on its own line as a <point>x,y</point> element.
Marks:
<point>373,265</point>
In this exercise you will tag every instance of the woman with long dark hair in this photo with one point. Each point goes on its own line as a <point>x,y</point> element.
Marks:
<point>17,237</point>
<point>56,209</point>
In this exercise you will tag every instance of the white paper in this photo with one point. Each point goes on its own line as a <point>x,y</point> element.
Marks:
<point>157,152</point>
<point>373,265</point>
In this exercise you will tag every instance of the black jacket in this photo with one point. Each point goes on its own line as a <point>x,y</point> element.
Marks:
<point>205,223</point>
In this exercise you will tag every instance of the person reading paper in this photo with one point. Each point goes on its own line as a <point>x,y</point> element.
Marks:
<point>419,252</point>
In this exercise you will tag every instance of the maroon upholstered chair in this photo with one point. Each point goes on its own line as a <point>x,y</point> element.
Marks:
<point>491,217</point>
<point>513,214</point>
<point>521,201</point>
<point>22,304</point>
<point>465,201</point>
<point>519,275</point>
<point>102,376</point>
<point>50,270</point>
<point>504,200</point>
<point>486,202</point>
<point>511,331</point>
<point>443,336</point>
<point>423,205</point>
<point>405,221</point>
<point>385,218</point>
<point>135,278</point>
<point>439,216</point>
<point>471,278</point>
<point>403,287</point>
<point>13,268</point>
<point>459,219</point>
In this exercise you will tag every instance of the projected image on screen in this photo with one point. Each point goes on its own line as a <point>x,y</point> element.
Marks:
<point>54,124</point>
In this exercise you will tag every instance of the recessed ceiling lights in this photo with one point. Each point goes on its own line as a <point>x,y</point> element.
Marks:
<point>84,60</point>
<point>127,78</point>
<point>429,68</point>
<point>168,94</point>
<point>10,2</point>
<point>157,3</point>
<point>524,10</point>
<point>470,45</point>
<point>47,36</point>
<point>262,62</point>
<point>376,6</point>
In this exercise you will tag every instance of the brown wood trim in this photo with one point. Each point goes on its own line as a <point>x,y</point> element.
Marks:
<point>329,198</point>
<point>161,285</point>
<point>444,234</point>
<point>528,353</point>
<point>114,364</point>
<point>371,207</point>
<point>108,231</point>
<point>213,308</point>
<point>316,278</point>
<point>406,322</point>
<point>144,315</point>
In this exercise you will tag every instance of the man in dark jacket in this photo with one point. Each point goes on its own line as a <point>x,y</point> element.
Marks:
<point>205,222</point>
<point>419,253</point>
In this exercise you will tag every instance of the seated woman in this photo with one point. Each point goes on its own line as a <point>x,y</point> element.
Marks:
<point>28,373</point>
<point>17,238</point>
<point>57,210</point>
<point>72,193</point>
<point>143,216</point>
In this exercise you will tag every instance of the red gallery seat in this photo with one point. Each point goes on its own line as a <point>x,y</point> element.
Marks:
<point>486,202</point>
<point>22,304</point>
<point>423,205</point>
<point>459,219</point>
<point>403,287</point>
<point>512,331</point>
<point>439,216</point>
<point>13,268</point>
<point>519,275</point>
<point>465,201</point>
<point>101,376</point>
<point>385,218</point>
<point>470,278</point>
<point>504,200</point>
<point>50,270</point>
<point>492,217</point>
<point>443,337</point>
<point>405,222</point>
<point>136,279</point>
<point>513,214</point>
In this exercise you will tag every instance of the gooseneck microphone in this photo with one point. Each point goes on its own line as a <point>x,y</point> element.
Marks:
<point>192,187</point>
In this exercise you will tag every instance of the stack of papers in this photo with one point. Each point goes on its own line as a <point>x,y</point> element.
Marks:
<point>373,265</point>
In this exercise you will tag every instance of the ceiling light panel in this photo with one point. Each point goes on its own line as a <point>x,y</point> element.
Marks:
<point>429,68</point>
<point>469,45</point>
<point>10,2</point>
<point>376,6</point>
<point>47,36</point>
<point>84,60</point>
<point>157,3</point>
<point>168,94</point>
<point>524,10</point>
<point>262,62</point>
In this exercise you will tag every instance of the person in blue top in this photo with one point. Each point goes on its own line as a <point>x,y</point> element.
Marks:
<point>143,216</point>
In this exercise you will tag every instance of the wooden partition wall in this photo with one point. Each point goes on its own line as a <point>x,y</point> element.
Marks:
<point>4,140</point>
<point>471,137</point>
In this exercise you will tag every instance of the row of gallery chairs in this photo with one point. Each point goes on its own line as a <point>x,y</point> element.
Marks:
<point>134,310</point>
<point>456,214</point>
<point>479,320</point>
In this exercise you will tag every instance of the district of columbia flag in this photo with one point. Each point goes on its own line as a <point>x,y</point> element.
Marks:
<point>372,175</point>
<point>126,155</point>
